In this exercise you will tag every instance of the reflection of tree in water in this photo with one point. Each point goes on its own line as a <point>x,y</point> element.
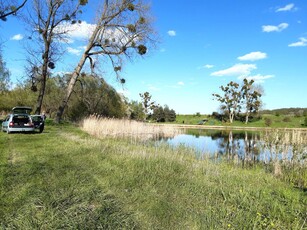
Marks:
<point>238,146</point>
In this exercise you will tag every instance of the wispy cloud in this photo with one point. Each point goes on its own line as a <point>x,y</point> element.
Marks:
<point>288,7</point>
<point>302,42</point>
<point>257,78</point>
<point>181,83</point>
<point>171,33</point>
<point>237,70</point>
<point>208,66</point>
<point>17,37</point>
<point>153,88</point>
<point>253,56</point>
<point>278,28</point>
<point>74,51</point>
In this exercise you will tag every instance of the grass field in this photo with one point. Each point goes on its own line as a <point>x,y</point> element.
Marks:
<point>66,179</point>
<point>281,121</point>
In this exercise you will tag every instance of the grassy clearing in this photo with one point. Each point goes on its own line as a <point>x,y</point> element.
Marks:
<point>282,121</point>
<point>67,179</point>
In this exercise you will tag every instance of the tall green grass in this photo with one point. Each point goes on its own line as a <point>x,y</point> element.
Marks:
<point>67,179</point>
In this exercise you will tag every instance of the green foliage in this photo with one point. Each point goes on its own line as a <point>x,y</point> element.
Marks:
<point>91,96</point>
<point>136,111</point>
<point>165,114</point>
<point>236,98</point>
<point>147,104</point>
<point>231,99</point>
<point>306,121</point>
<point>94,96</point>
<point>268,121</point>
<point>286,119</point>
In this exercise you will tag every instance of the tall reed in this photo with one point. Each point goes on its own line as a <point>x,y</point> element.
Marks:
<point>288,155</point>
<point>123,128</point>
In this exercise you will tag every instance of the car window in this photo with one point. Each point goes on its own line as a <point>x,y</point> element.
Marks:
<point>37,118</point>
<point>21,119</point>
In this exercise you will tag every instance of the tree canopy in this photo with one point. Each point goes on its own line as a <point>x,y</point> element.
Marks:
<point>235,98</point>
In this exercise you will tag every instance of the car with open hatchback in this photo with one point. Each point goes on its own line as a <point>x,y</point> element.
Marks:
<point>19,120</point>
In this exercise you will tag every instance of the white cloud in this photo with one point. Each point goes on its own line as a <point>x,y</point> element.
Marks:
<point>236,70</point>
<point>75,31</point>
<point>17,37</point>
<point>288,7</point>
<point>74,51</point>
<point>270,28</point>
<point>301,42</point>
<point>171,33</point>
<point>208,66</point>
<point>253,56</point>
<point>257,78</point>
<point>180,83</point>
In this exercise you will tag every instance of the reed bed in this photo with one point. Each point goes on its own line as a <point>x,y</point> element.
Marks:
<point>122,128</point>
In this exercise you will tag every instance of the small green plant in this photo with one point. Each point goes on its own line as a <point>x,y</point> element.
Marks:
<point>286,119</point>
<point>268,121</point>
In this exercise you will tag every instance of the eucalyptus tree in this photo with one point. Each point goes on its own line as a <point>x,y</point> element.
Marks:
<point>147,103</point>
<point>9,7</point>
<point>49,22</point>
<point>250,98</point>
<point>123,28</point>
<point>230,100</point>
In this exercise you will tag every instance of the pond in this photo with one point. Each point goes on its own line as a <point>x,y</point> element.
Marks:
<point>263,146</point>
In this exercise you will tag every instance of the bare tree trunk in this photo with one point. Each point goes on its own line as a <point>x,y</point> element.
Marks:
<point>246,117</point>
<point>70,87</point>
<point>43,83</point>
<point>79,67</point>
<point>231,116</point>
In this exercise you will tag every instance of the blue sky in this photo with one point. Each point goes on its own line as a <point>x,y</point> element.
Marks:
<point>204,44</point>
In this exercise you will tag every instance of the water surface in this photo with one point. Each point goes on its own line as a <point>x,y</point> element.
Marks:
<point>245,145</point>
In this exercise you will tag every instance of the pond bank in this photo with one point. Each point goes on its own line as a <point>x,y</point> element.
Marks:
<point>218,127</point>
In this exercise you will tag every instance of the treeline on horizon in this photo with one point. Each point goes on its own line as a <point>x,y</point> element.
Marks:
<point>286,111</point>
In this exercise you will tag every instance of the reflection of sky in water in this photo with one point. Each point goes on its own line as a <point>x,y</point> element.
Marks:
<point>243,146</point>
<point>204,144</point>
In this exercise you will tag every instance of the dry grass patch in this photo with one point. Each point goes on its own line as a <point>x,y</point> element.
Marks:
<point>106,127</point>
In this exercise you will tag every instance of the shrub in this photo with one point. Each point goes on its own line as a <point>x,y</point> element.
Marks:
<point>305,121</point>
<point>268,121</point>
<point>286,119</point>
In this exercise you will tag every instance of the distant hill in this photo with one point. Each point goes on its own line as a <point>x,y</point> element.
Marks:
<point>286,111</point>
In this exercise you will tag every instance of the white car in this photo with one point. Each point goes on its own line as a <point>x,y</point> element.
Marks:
<point>19,121</point>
